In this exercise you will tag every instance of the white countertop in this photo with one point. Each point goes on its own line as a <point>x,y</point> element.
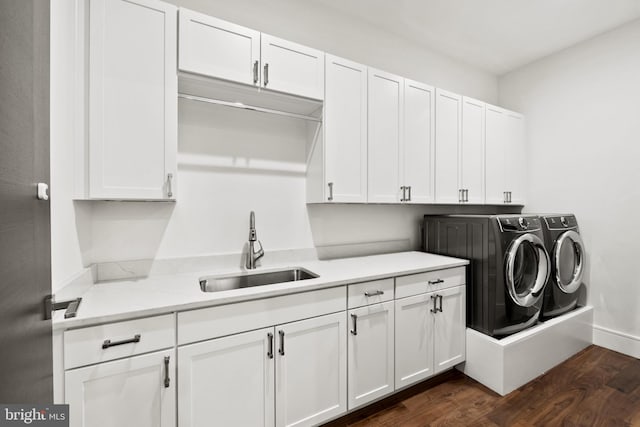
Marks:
<point>129,299</point>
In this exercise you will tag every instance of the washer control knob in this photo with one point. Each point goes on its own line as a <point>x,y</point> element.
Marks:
<point>563,221</point>
<point>523,223</point>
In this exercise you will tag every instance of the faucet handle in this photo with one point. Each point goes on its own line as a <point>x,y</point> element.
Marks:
<point>260,252</point>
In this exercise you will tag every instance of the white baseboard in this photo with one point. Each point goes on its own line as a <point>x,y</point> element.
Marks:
<point>617,341</point>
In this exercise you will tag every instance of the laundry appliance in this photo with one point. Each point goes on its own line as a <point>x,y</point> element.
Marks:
<point>509,266</point>
<point>565,284</point>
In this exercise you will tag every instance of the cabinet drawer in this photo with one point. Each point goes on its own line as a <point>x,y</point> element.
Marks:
<point>373,292</point>
<point>415,284</point>
<point>213,322</point>
<point>89,345</point>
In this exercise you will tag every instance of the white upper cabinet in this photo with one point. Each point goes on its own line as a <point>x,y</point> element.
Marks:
<point>132,100</point>
<point>472,151</point>
<point>345,132</point>
<point>448,139</point>
<point>417,156</point>
<point>386,105</point>
<point>505,162</point>
<point>495,155</point>
<point>222,50</point>
<point>515,171</point>
<point>216,48</point>
<point>292,68</point>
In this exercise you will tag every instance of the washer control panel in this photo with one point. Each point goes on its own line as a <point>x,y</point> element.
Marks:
<point>519,223</point>
<point>561,222</point>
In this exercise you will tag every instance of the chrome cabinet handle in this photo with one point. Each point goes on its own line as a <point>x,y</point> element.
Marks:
<point>409,199</point>
<point>507,196</point>
<point>169,186</point>
<point>255,72</point>
<point>109,343</point>
<point>354,331</point>
<point>270,351</point>
<point>373,294</point>
<point>404,196</point>
<point>434,299</point>
<point>440,298</point>
<point>266,74</point>
<point>435,282</point>
<point>281,350</point>
<point>167,381</point>
<point>466,194</point>
<point>330,198</point>
<point>460,195</point>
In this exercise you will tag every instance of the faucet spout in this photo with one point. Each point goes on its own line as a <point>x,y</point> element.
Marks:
<point>253,255</point>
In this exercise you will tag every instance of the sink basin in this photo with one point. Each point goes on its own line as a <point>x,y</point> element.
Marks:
<point>247,280</point>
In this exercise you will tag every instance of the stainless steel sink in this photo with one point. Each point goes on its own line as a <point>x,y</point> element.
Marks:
<point>247,280</point>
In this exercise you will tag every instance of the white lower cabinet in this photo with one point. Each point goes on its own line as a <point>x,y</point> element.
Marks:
<point>414,339</point>
<point>135,391</point>
<point>450,329</point>
<point>288,375</point>
<point>311,376</point>
<point>430,334</point>
<point>227,381</point>
<point>371,353</point>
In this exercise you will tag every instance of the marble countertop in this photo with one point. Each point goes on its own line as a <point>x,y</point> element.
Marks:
<point>161,294</point>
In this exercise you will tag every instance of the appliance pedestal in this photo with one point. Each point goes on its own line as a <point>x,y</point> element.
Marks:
<point>506,364</point>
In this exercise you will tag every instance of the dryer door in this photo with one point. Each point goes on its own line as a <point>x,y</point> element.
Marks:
<point>527,269</point>
<point>568,261</point>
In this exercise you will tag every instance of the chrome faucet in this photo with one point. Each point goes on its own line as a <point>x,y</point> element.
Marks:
<point>253,255</point>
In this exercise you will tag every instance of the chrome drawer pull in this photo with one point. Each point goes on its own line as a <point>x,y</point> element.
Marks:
<point>434,299</point>
<point>255,72</point>
<point>270,352</point>
<point>167,381</point>
<point>435,282</point>
<point>108,343</point>
<point>373,294</point>
<point>354,331</point>
<point>281,351</point>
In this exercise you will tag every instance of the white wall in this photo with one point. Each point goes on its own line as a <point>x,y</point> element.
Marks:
<point>231,162</point>
<point>583,118</point>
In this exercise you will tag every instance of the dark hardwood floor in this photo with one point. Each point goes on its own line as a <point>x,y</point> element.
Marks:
<point>596,387</point>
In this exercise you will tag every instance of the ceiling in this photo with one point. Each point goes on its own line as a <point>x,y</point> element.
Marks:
<point>495,35</point>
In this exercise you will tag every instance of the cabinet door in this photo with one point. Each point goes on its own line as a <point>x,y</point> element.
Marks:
<point>385,133</point>
<point>515,167</point>
<point>495,155</point>
<point>414,339</point>
<point>311,376</point>
<point>132,99</point>
<point>227,381</point>
<point>371,353</point>
<point>125,392</point>
<point>417,144</point>
<point>472,150</point>
<point>449,344</point>
<point>345,123</point>
<point>220,49</point>
<point>292,68</point>
<point>448,133</point>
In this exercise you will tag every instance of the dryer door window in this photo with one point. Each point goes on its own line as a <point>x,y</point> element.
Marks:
<point>527,269</point>
<point>568,261</point>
